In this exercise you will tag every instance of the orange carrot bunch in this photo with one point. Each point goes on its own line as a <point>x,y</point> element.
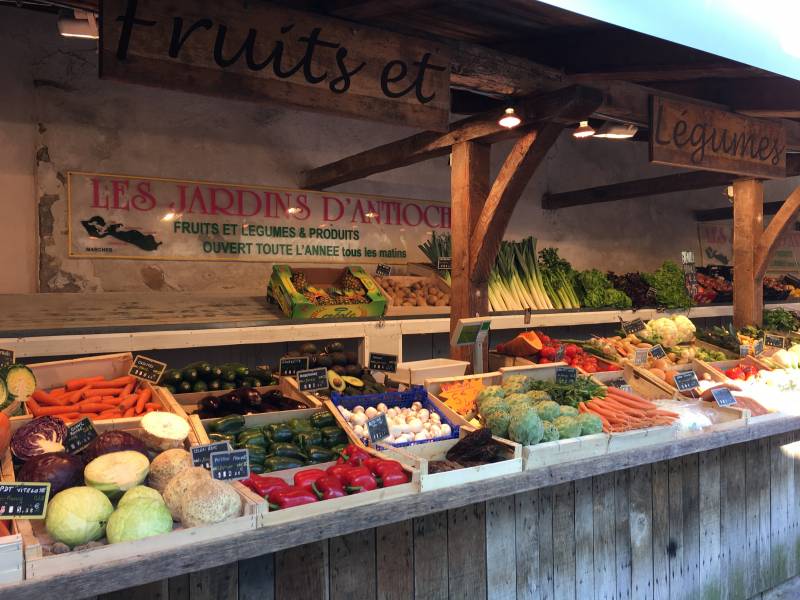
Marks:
<point>93,397</point>
<point>621,411</point>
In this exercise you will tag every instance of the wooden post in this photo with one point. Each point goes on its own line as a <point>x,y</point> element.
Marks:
<point>748,295</point>
<point>469,186</point>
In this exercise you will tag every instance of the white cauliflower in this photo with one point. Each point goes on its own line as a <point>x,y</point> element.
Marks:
<point>685,327</point>
<point>662,331</point>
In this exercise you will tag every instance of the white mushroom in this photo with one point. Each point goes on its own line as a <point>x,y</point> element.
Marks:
<point>415,426</point>
<point>382,407</point>
<point>371,412</point>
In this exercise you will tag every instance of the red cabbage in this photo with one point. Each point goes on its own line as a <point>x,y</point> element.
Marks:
<point>41,436</point>
<point>61,470</point>
<point>113,441</point>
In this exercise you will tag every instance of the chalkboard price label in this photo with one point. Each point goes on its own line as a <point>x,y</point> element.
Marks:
<point>634,326</point>
<point>80,435</point>
<point>147,369</point>
<point>686,381</point>
<point>201,455</point>
<point>23,500</point>
<point>383,270</point>
<point>640,356</point>
<point>6,357</point>
<point>231,464</point>
<point>744,350</point>
<point>311,380</point>
<point>444,263</point>
<point>378,428</point>
<point>290,366</point>
<point>722,396</point>
<point>774,341</point>
<point>758,348</point>
<point>657,352</point>
<point>383,362</point>
<point>566,375</point>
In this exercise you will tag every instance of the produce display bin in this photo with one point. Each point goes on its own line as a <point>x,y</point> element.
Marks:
<point>296,306</point>
<point>12,556</point>
<point>395,307</point>
<point>420,455</point>
<point>392,400</point>
<point>498,361</point>
<point>56,373</point>
<point>39,563</point>
<point>434,387</point>
<point>418,371</point>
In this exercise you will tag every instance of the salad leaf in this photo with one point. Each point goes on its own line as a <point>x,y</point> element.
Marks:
<point>669,285</point>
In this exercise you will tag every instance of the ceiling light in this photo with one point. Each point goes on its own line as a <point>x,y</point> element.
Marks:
<point>82,24</point>
<point>509,120</point>
<point>292,210</point>
<point>584,130</point>
<point>170,216</point>
<point>616,131</point>
<point>371,214</point>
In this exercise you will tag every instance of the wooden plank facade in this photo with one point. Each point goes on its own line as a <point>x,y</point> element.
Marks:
<point>716,524</point>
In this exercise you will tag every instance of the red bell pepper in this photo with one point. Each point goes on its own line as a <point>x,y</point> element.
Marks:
<point>359,479</point>
<point>263,486</point>
<point>328,487</point>
<point>390,478</point>
<point>353,455</point>
<point>305,479</point>
<point>289,497</point>
<point>386,466</point>
<point>371,463</point>
<point>338,471</point>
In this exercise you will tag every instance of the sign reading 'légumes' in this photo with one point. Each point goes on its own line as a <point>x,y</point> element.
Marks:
<point>701,137</point>
<point>257,51</point>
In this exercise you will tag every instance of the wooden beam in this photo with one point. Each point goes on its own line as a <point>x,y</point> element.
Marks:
<point>783,220</point>
<point>748,224</point>
<point>517,170</point>
<point>469,186</point>
<point>726,212</point>
<point>364,10</point>
<point>667,184</point>
<point>428,144</point>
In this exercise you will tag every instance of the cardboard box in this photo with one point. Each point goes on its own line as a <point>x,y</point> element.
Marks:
<point>297,306</point>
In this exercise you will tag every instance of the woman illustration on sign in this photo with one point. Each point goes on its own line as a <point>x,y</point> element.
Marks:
<point>97,228</point>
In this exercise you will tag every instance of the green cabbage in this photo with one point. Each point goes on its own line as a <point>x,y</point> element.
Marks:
<point>78,515</point>
<point>547,410</point>
<point>526,428</point>
<point>138,519</point>
<point>590,423</point>
<point>550,432</point>
<point>139,492</point>
<point>117,472</point>
<point>568,427</point>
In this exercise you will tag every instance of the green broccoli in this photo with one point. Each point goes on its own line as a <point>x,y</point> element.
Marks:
<point>498,421</point>
<point>568,411</point>
<point>547,410</point>
<point>590,423</point>
<point>550,432</point>
<point>568,427</point>
<point>526,428</point>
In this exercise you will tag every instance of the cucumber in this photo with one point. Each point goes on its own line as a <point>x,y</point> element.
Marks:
<point>204,370</point>
<point>189,374</point>
<point>199,386</point>
<point>5,398</point>
<point>171,377</point>
<point>184,387</point>
<point>20,381</point>
<point>214,385</point>
<point>228,374</point>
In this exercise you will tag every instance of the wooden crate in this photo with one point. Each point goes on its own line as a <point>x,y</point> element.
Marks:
<point>255,420</point>
<point>12,557</point>
<point>419,457</point>
<point>40,564</point>
<point>498,361</point>
<point>395,310</point>
<point>434,388</point>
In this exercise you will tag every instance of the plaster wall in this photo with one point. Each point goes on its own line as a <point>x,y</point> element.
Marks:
<point>57,116</point>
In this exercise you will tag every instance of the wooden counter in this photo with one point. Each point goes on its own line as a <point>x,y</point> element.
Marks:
<point>713,515</point>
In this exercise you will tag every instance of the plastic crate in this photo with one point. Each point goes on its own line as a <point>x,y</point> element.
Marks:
<point>402,399</point>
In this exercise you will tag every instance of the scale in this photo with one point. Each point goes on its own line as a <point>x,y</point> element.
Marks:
<point>472,332</point>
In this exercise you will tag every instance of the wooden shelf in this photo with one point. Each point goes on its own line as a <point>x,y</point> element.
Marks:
<point>72,324</point>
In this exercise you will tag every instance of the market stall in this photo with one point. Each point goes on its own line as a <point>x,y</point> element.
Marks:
<point>282,423</point>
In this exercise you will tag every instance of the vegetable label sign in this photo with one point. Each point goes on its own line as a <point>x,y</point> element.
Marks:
<point>640,356</point>
<point>23,500</point>
<point>383,270</point>
<point>383,362</point>
<point>758,348</point>
<point>657,352</point>
<point>311,380</point>
<point>147,218</point>
<point>634,326</point>
<point>686,381</point>
<point>80,435</point>
<point>201,455</point>
<point>378,428</point>
<point>147,369</point>
<point>722,396</point>
<point>566,375</point>
<point>444,263</point>
<point>229,465</point>
<point>774,341</point>
<point>290,366</point>
<point>6,357</point>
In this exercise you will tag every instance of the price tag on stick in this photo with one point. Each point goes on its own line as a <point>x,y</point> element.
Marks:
<point>722,396</point>
<point>744,350</point>
<point>444,263</point>
<point>634,326</point>
<point>657,352</point>
<point>312,380</point>
<point>80,435</point>
<point>147,369</point>
<point>686,381</point>
<point>24,500</point>
<point>201,455</point>
<point>378,428</point>
<point>383,270</point>
<point>640,356</point>
<point>566,375</point>
<point>758,348</point>
<point>6,357</point>
<point>774,341</point>
<point>230,465</point>
<point>383,362</point>
<point>290,366</point>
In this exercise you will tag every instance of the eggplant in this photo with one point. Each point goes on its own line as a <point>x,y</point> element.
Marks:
<point>232,402</point>
<point>210,403</point>
<point>249,397</point>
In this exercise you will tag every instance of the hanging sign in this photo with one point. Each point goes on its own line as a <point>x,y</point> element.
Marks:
<point>123,217</point>
<point>291,365</point>
<point>261,51</point>
<point>686,134</point>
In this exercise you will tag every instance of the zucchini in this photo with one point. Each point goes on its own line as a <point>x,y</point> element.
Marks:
<point>171,377</point>
<point>184,387</point>
<point>257,453</point>
<point>222,437</point>
<point>199,386</point>
<point>229,375</point>
<point>298,425</point>
<point>20,381</point>
<point>189,374</point>
<point>304,439</point>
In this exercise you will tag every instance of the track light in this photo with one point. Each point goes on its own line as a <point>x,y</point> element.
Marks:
<point>584,130</point>
<point>82,24</point>
<point>509,120</point>
<point>616,131</point>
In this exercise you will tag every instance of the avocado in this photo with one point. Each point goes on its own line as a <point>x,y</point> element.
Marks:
<point>308,348</point>
<point>336,382</point>
<point>352,358</point>
<point>353,370</point>
<point>354,381</point>
<point>324,360</point>
<point>334,347</point>
<point>338,369</point>
<point>339,358</point>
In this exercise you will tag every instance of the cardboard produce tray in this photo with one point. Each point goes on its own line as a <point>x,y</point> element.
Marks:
<point>397,308</point>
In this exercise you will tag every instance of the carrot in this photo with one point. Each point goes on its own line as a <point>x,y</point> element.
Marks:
<point>76,395</point>
<point>4,529</point>
<point>128,412</point>
<point>118,382</point>
<point>609,414</point>
<point>645,406</point>
<point>71,416</point>
<point>128,401</point>
<point>33,406</point>
<point>76,384</point>
<point>112,413</point>
<point>54,410</point>
<point>45,399</point>
<point>582,408</point>
<point>665,413</point>
<point>55,392</point>
<point>127,390</point>
<point>144,396</point>
<point>91,393</point>
<point>95,406</point>
<point>153,406</point>
<point>629,396</point>
<point>621,408</point>
<point>152,409</point>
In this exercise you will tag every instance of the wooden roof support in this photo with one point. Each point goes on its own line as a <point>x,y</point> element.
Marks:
<point>783,220</point>
<point>430,144</point>
<point>748,296</point>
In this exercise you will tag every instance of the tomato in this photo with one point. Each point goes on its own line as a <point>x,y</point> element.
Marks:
<point>543,360</point>
<point>572,350</point>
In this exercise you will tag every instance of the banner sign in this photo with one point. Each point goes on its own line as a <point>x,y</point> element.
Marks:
<point>117,216</point>
<point>260,51</point>
<point>685,134</point>
<point>716,247</point>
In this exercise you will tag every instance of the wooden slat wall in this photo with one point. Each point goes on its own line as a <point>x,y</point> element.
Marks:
<point>720,524</point>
